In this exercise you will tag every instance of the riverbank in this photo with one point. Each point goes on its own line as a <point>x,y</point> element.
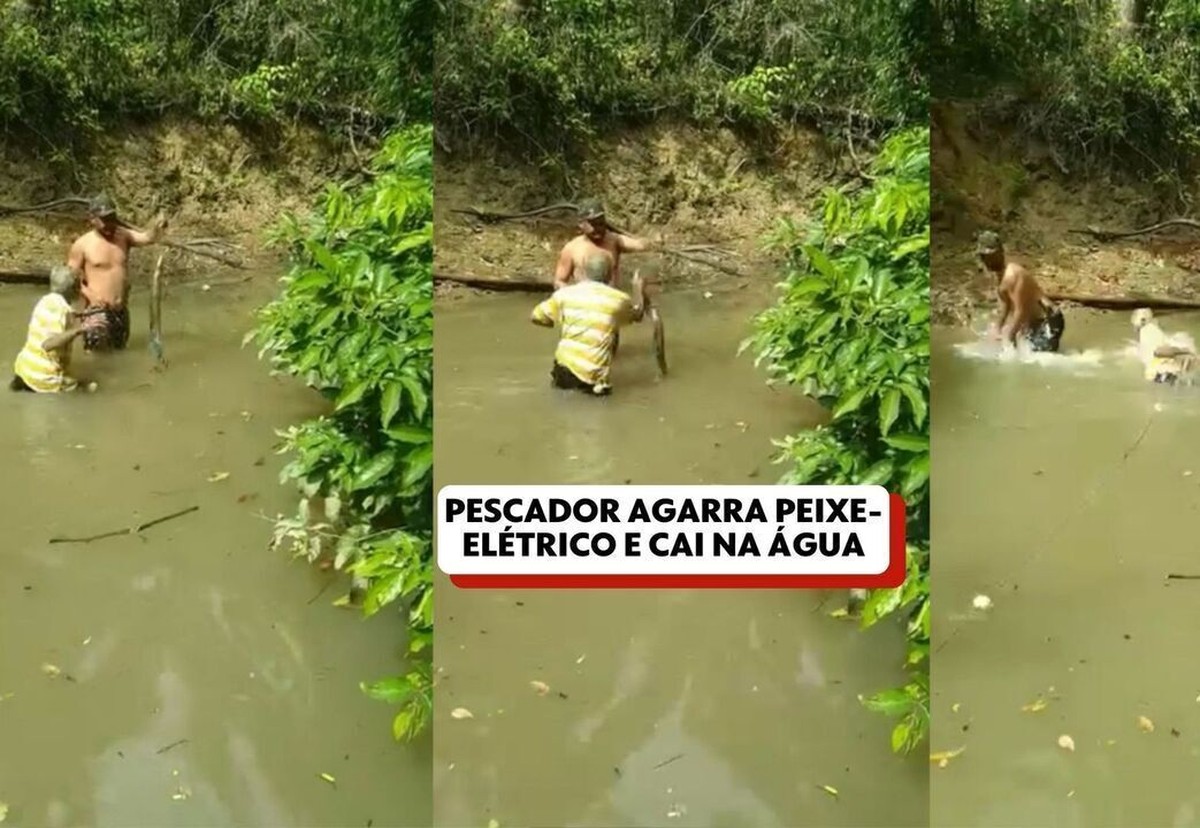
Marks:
<point>712,192</point>
<point>985,176</point>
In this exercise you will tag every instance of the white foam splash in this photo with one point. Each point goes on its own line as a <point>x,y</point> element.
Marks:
<point>991,351</point>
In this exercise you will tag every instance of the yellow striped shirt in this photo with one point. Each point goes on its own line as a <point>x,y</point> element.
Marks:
<point>589,315</point>
<point>46,371</point>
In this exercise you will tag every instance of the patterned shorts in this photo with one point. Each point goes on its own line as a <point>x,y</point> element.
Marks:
<point>107,330</point>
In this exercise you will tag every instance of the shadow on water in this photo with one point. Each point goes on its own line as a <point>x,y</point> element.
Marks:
<point>193,631</point>
<point>1065,492</point>
<point>688,708</point>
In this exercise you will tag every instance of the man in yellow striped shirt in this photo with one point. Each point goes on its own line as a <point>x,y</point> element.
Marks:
<point>44,363</point>
<point>589,313</point>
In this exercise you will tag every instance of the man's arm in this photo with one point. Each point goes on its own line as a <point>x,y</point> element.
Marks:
<point>564,268</point>
<point>138,238</point>
<point>546,313</point>
<point>61,340</point>
<point>632,244</point>
<point>76,261</point>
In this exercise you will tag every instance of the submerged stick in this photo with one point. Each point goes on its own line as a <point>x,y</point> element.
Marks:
<point>1175,577</point>
<point>156,346</point>
<point>131,531</point>
<point>33,276</point>
<point>1125,302</point>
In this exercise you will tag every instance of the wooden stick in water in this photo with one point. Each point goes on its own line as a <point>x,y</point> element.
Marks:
<point>156,345</point>
<point>131,531</point>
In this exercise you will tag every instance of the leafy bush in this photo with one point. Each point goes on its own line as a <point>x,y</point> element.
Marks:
<point>71,67</point>
<point>1068,73</point>
<point>550,75</point>
<point>852,330</point>
<point>355,320</point>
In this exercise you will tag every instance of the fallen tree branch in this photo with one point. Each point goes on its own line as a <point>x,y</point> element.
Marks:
<point>1124,302</point>
<point>33,276</point>
<point>1113,235</point>
<point>500,285</point>
<point>131,531</point>
<point>197,247</point>
<point>493,218</point>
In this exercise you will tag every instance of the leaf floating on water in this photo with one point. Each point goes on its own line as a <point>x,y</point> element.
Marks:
<point>1145,725</point>
<point>841,612</point>
<point>3,811</point>
<point>493,823</point>
<point>580,659</point>
<point>954,708</point>
<point>1034,707</point>
<point>829,789</point>
<point>218,477</point>
<point>461,713</point>
<point>540,687</point>
<point>51,670</point>
<point>942,758</point>
<point>329,778</point>
<point>1066,743</point>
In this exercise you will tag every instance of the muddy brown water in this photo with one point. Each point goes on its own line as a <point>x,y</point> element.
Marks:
<point>672,708</point>
<point>195,631</point>
<point>1065,492</point>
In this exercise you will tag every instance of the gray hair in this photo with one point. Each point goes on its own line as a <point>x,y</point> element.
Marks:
<point>597,267</point>
<point>63,280</point>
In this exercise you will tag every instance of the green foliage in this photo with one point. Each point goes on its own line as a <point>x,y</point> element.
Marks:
<point>852,330</point>
<point>551,74</point>
<point>355,320</point>
<point>1069,73</point>
<point>71,67</point>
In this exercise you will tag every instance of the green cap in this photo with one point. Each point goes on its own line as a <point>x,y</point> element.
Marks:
<point>101,206</point>
<point>591,209</point>
<point>987,243</point>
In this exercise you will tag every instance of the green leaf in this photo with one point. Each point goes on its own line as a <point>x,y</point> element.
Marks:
<point>889,410</point>
<point>878,474</point>
<point>895,702</point>
<point>419,464</point>
<point>916,404</point>
<point>849,403</point>
<point>376,470</point>
<point>908,442</point>
<point>901,734</point>
<point>353,394</point>
<point>391,403</point>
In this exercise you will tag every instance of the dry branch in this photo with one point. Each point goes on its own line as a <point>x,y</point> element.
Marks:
<point>32,276</point>
<point>206,248</point>
<point>1124,302</point>
<point>1113,235</point>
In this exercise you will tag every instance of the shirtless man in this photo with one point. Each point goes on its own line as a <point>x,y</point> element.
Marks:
<point>101,257</point>
<point>1024,309</point>
<point>594,237</point>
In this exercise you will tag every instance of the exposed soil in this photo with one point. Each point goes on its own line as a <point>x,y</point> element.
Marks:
<point>211,181</point>
<point>985,177</point>
<point>687,185</point>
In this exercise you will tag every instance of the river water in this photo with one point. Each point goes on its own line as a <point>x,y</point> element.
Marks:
<point>193,631</point>
<point>679,708</point>
<point>1065,492</point>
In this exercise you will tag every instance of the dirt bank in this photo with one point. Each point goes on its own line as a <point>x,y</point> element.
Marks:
<point>987,177</point>
<point>691,186</point>
<point>212,181</point>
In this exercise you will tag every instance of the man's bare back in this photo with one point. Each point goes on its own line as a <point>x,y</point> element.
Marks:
<point>1023,309</point>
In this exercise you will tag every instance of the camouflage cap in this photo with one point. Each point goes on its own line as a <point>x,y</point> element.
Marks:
<point>591,209</point>
<point>101,206</point>
<point>987,243</point>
